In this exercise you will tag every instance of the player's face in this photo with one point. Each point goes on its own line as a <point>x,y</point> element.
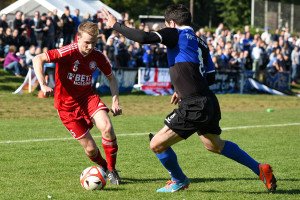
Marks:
<point>86,43</point>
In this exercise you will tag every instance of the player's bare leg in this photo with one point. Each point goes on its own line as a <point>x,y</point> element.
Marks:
<point>164,139</point>
<point>161,144</point>
<point>91,150</point>
<point>212,142</point>
<point>231,150</point>
<point>109,143</point>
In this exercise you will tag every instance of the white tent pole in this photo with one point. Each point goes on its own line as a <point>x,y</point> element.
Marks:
<point>252,12</point>
<point>30,79</point>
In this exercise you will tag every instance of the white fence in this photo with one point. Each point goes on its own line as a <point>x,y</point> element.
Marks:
<point>275,15</point>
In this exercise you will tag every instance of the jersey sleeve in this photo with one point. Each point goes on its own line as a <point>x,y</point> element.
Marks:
<point>103,64</point>
<point>53,55</point>
<point>168,36</point>
<point>137,35</point>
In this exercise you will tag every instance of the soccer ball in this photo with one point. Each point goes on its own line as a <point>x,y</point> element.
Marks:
<point>93,178</point>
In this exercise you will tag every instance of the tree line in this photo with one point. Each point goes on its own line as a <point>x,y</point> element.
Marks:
<point>205,13</point>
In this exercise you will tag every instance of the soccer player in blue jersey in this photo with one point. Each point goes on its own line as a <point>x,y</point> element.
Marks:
<point>191,72</point>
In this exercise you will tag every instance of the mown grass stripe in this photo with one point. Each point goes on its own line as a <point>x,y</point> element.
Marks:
<point>138,134</point>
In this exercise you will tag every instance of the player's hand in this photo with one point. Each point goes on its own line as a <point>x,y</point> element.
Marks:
<point>46,90</point>
<point>111,20</point>
<point>116,110</point>
<point>174,98</point>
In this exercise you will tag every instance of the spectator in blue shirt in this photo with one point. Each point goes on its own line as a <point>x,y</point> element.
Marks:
<point>76,18</point>
<point>147,56</point>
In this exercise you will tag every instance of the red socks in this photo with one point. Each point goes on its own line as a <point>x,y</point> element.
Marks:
<point>97,158</point>
<point>110,148</point>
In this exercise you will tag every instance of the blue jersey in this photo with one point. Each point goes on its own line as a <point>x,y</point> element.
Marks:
<point>190,48</point>
<point>186,49</point>
<point>189,60</point>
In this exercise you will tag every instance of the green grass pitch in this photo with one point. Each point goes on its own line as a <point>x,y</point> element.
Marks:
<point>39,157</point>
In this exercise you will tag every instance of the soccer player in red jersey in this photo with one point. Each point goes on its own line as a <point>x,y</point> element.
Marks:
<point>77,105</point>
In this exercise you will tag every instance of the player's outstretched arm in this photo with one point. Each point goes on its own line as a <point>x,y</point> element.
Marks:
<point>114,88</point>
<point>130,33</point>
<point>38,63</point>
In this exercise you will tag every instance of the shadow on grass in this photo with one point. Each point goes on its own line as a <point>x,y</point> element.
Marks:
<point>7,88</point>
<point>193,180</point>
<point>141,180</point>
<point>11,79</point>
<point>9,82</point>
<point>204,180</point>
<point>292,191</point>
<point>112,188</point>
<point>278,192</point>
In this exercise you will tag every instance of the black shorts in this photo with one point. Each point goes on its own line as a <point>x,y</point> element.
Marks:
<point>196,114</point>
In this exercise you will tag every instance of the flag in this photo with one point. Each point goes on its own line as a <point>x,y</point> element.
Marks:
<point>263,88</point>
<point>154,81</point>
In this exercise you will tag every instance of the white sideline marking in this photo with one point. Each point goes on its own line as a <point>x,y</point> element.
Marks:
<point>260,126</point>
<point>138,134</point>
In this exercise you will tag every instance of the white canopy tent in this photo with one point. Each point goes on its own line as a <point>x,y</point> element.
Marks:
<point>85,6</point>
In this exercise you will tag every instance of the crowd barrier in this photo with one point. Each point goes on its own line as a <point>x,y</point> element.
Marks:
<point>126,78</point>
<point>232,81</point>
<point>156,81</point>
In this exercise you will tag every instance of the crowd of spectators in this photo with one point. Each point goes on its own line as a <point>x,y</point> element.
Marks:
<point>230,50</point>
<point>47,31</point>
<point>265,52</point>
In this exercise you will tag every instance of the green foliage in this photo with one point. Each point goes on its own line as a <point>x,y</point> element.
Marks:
<point>5,3</point>
<point>141,7</point>
<point>234,13</point>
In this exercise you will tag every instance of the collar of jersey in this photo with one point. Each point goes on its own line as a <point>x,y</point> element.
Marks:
<point>185,27</point>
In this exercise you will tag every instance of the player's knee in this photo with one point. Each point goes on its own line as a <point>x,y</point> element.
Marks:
<point>156,148</point>
<point>213,148</point>
<point>107,130</point>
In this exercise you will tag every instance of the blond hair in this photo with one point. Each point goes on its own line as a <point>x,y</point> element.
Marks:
<point>89,28</point>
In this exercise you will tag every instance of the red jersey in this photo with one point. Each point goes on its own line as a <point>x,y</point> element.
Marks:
<point>73,74</point>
